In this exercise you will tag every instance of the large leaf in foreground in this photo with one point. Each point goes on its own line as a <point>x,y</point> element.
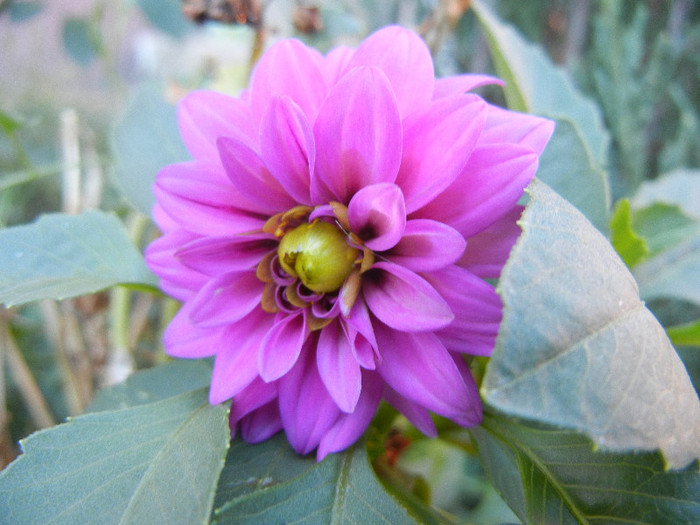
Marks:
<point>574,160</point>
<point>270,483</point>
<point>565,481</point>
<point>61,256</point>
<point>153,463</point>
<point>577,347</point>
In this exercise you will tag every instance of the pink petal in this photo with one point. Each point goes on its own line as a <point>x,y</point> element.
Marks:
<point>280,347</point>
<point>406,61</point>
<point>427,245</point>
<point>204,116</point>
<point>217,255</point>
<point>358,137</point>
<point>335,63</point>
<point>165,222</point>
<point>183,339</point>
<point>377,215</point>
<point>505,126</point>
<point>477,310</point>
<point>420,369</point>
<point>338,368</point>
<point>359,321</point>
<point>288,68</point>
<point>287,145</point>
<point>488,250</point>
<point>403,300</point>
<point>226,299</point>
<point>257,394</point>
<point>261,424</point>
<point>175,279</point>
<point>488,188</point>
<point>437,144</point>
<point>454,85</point>
<point>349,427</point>
<point>236,364</point>
<point>201,199</point>
<point>250,176</point>
<point>307,410</point>
<point>417,414</point>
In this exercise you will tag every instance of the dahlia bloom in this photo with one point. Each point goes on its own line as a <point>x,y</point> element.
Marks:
<point>331,238</point>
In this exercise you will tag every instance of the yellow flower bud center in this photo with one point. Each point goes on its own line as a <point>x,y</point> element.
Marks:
<point>318,255</point>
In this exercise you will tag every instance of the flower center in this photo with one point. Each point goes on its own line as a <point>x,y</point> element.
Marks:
<point>318,254</point>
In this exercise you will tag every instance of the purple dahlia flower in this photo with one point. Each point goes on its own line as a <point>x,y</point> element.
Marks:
<point>331,237</point>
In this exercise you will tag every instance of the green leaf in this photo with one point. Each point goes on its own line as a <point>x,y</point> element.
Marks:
<point>167,16</point>
<point>145,139</point>
<point>574,160</point>
<point>630,247</point>
<point>79,40</point>
<point>678,188</point>
<point>566,480</point>
<point>61,256</point>
<point>8,124</point>
<point>685,335</point>
<point>153,463</point>
<point>270,483</point>
<point>578,349</point>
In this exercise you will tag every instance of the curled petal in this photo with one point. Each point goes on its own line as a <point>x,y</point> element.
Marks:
<point>217,255</point>
<point>307,410</point>
<point>419,368</point>
<point>176,280</point>
<point>358,137</point>
<point>437,144</point>
<point>288,68</point>
<point>428,245</point>
<point>488,188</point>
<point>338,367</point>
<point>287,146</point>
<point>251,177</point>
<point>204,116</point>
<point>226,299</point>
<point>405,60</point>
<point>377,215</point>
<point>257,394</point>
<point>200,198</point>
<point>454,85</point>
<point>349,427</point>
<point>414,412</point>
<point>403,300</point>
<point>261,424</point>
<point>281,346</point>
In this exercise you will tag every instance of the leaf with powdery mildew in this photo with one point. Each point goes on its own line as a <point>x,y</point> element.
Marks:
<point>577,348</point>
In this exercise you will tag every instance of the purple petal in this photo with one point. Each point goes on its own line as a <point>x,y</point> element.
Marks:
<point>454,85</point>
<point>183,339</point>
<point>349,427</point>
<point>488,188</point>
<point>217,255</point>
<point>359,321</point>
<point>338,368</point>
<point>488,250</point>
<point>287,145</point>
<point>261,424</point>
<point>358,137</point>
<point>504,126</point>
<point>288,68</point>
<point>236,364</point>
<point>437,144</point>
<point>477,310</point>
<point>307,410</point>
<point>420,369</point>
<point>417,414</point>
<point>175,279</point>
<point>204,116</point>
<point>406,61</point>
<point>250,176</point>
<point>427,245</point>
<point>201,199</point>
<point>335,63</point>
<point>377,215</point>
<point>280,347</point>
<point>403,300</point>
<point>255,395</point>
<point>226,299</point>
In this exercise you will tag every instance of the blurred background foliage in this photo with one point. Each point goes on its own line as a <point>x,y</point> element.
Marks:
<point>81,80</point>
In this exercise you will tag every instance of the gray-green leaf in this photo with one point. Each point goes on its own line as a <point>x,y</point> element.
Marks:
<point>578,349</point>
<point>61,256</point>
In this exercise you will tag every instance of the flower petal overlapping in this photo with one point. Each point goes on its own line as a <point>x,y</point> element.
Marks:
<point>422,180</point>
